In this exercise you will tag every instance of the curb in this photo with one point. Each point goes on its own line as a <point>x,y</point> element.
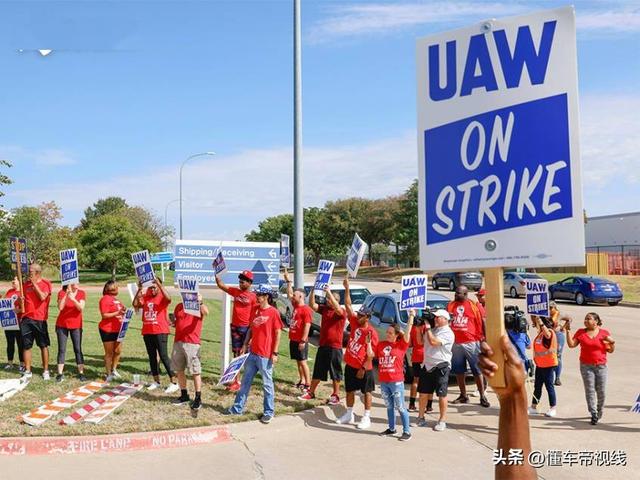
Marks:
<point>630,304</point>
<point>23,446</point>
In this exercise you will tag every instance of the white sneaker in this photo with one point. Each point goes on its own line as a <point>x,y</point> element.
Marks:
<point>26,376</point>
<point>172,388</point>
<point>475,394</point>
<point>440,427</point>
<point>551,413</point>
<point>108,378</point>
<point>364,423</point>
<point>46,375</point>
<point>347,419</point>
<point>533,411</point>
<point>116,374</point>
<point>153,386</point>
<point>8,366</point>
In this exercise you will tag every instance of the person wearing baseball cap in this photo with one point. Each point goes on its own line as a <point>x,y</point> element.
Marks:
<point>244,304</point>
<point>434,374</point>
<point>481,303</point>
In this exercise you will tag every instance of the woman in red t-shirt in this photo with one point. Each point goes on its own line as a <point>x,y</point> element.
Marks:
<point>112,314</point>
<point>417,357</point>
<point>595,342</point>
<point>13,336</point>
<point>71,301</point>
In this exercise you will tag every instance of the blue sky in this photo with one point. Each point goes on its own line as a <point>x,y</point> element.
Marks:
<point>133,88</point>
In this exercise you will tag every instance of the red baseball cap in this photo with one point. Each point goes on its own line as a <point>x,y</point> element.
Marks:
<point>482,291</point>
<point>246,274</point>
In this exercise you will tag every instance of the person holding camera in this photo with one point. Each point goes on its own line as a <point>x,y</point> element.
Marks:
<point>438,341</point>
<point>595,342</point>
<point>545,356</point>
<point>515,324</point>
<point>186,352</point>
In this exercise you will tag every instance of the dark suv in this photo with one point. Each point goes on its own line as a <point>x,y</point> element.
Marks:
<point>471,280</point>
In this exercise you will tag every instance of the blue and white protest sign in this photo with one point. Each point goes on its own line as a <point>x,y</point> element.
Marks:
<point>233,369</point>
<point>499,160</point>
<point>537,292</point>
<point>124,326</point>
<point>355,255</point>
<point>219,265</point>
<point>414,292</point>
<point>285,251</point>
<point>8,317</point>
<point>143,267</point>
<point>194,258</point>
<point>635,408</point>
<point>323,276</point>
<point>189,293</point>
<point>24,253</point>
<point>69,266</point>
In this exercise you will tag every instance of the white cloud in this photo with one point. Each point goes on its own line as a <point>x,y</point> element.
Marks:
<point>48,157</point>
<point>384,18</point>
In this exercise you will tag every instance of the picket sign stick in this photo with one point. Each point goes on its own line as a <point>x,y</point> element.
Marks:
<point>19,271</point>
<point>494,326</point>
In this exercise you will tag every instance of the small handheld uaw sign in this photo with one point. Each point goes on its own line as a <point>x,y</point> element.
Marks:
<point>323,276</point>
<point>355,255</point>
<point>232,370</point>
<point>8,317</point>
<point>128,315</point>
<point>414,292</point>
<point>69,266</point>
<point>285,251</point>
<point>537,292</point>
<point>189,294</point>
<point>219,265</point>
<point>499,153</point>
<point>144,268</point>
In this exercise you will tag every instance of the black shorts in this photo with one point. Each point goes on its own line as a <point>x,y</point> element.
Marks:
<point>352,383</point>
<point>31,330</point>
<point>238,336</point>
<point>328,361</point>
<point>108,336</point>
<point>436,380</point>
<point>296,353</point>
<point>415,369</point>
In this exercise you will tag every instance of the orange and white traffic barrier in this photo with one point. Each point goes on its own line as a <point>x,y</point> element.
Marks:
<point>91,406</point>
<point>44,412</point>
<point>99,414</point>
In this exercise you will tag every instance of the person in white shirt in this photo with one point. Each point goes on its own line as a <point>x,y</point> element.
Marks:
<point>434,374</point>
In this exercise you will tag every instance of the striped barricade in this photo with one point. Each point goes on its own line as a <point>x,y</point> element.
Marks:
<point>44,412</point>
<point>92,405</point>
<point>97,415</point>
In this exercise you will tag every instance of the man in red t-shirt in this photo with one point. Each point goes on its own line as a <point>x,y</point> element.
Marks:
<point>33,327</point>
<point>299,332</point>
<point>13,336</point>
<point>329,355</point>
<point>186,352</point>
<point>244,304</point>
<point>468,328</point>
<point>154,302</point>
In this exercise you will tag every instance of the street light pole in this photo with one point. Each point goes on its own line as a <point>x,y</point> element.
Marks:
<point>181,167</point>
<point>298,221</point>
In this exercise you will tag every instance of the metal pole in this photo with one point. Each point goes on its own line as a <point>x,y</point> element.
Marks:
<point>298,221</point>
<point>181,167</point>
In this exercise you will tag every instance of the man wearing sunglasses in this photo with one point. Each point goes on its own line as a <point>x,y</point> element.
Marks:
<point>244,303</point>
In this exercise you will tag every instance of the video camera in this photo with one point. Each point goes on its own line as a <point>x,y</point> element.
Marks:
<point>515,319</point>
<point>428,316</point>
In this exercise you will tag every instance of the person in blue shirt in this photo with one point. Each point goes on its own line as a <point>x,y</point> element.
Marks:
<point>517,331</point>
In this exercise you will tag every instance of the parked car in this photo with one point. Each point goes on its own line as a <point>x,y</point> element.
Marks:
<point>584,289</point>
<point>514,283</point>
<point>386,311</point>
<point>471,280</point>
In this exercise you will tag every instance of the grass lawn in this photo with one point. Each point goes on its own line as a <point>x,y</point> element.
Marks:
<point>146,411</point>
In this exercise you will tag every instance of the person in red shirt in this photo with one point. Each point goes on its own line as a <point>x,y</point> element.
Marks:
<point>244,304</point>
<point>186,352</point>
<point>111,317</point>
<point>262,343</point>
<point>358,370</point>
<point>417,356</point>
<point>299,333</point>
<point>390,354</point>
<point>33,326</point>
<point>595,342</point>
<point>481,295</point>
<point>329,354</point>
<point>13,336</point>
<point>154,302</point>
<point>468,327</point>
<point>71,301</point>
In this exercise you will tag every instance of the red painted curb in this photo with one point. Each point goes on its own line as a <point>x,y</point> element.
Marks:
<point>114,443</point>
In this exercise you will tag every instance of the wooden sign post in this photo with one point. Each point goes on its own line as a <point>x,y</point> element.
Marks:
<point>19,273</point>
<point>494,326</point>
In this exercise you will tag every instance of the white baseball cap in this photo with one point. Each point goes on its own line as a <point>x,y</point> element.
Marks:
<point>442,313</point>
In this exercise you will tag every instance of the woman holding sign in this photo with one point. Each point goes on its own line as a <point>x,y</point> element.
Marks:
<point>545,356</point>
<point>595,342</point>
<point>112,313</point>
<point>71,301</point>
<point>13,336</point>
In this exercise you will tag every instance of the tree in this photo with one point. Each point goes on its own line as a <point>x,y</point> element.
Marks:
<point>4,180</point>
<point>270,228</point>
<point>406,234</point>
<point>109,240</point>
<point>104,206</point>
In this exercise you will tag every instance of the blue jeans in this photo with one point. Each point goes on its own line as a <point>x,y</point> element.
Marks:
<point>393,394</point>
<point>561,342</point>
<point>253,365</point>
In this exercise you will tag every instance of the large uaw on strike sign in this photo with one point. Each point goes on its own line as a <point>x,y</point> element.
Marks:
<point>498,144</point>
<point>194,259</point>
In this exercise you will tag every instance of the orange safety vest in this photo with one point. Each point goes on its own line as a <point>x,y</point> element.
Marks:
<point>545,357</point>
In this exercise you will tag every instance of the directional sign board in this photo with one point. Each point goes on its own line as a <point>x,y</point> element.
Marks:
<point>499,163</point>
<point>194,258</point>
<point>161,257</point>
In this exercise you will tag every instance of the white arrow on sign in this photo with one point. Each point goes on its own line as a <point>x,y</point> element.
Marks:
<point>271,266</point>
<point>273,280</point>
<point>272,253</point>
